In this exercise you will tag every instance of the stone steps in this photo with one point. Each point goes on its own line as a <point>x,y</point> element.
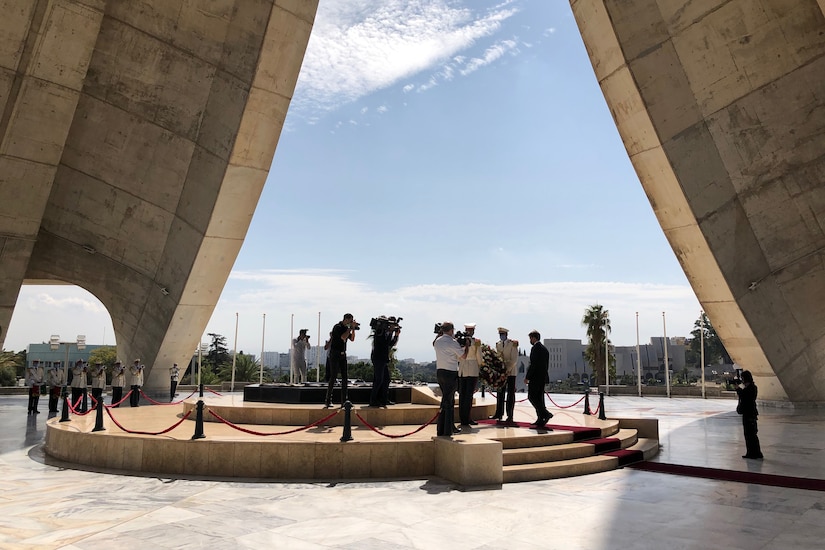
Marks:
<point>564,451</point>
<point>556,457</point>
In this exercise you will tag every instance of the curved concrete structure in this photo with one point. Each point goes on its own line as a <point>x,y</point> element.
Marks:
<point>721,106</point>
<point>135,139</point>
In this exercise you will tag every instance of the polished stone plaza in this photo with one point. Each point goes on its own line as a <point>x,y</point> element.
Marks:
<point>46,505</point>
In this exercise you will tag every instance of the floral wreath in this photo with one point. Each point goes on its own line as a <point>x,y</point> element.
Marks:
<point>493,372</point>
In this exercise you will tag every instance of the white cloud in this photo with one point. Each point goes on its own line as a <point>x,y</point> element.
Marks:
<point>358,47</point>
<point>555,309</point>
<point>491,54</point>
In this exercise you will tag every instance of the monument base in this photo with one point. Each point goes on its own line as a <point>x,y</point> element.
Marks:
<point>316,393</point>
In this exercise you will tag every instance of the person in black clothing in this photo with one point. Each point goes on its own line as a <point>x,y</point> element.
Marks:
<point>342,333</point>
<point>536,378</point>
<point>747,392</point>
<point>384,338</point>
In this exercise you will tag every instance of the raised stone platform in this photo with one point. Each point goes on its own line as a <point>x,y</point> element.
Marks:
<point>273,441</point>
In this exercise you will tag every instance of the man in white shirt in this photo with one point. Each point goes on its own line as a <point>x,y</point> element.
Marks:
<point>447,355</point>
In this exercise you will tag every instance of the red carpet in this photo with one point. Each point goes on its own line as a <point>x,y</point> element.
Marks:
<point>732,475</point>
<point>579,432</point>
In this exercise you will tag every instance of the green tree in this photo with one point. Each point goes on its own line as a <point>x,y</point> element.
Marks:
<point>714,349</point>
<point>12,365</point>
<point>218,355</point>
<point>104,354</point>
<point>597,321</point>
<point>247,369</point>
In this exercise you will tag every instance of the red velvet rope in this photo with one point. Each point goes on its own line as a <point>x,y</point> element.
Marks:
<point>253,432</point>
<point>379,432</point>
<point>566,406</point>
<point>76,405</point>
<point>171,403</point>
<point>169,429</point>
<point>494,394</point>
<point>213,391</point>
<point>125,397</point>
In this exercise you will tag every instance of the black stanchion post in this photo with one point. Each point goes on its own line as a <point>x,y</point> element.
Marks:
<point>64,415</point>
<point>200,389</point>
<point>601,407</point>
<point>99,418</point>
<point>347,435</point>
<point>587,402</point>
<point>199,422</point>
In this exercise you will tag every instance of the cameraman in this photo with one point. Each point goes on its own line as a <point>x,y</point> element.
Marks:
<point>384,338</point>
<point>300,345</point>
<point>342,332</point>
<point>447,355</point>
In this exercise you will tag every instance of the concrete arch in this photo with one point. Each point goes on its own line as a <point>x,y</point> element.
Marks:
<point>721,107</point>
<point>135,140</point>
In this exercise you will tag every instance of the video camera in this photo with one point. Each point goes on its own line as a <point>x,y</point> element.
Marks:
<point>381,324</point>
<point>463,338</point>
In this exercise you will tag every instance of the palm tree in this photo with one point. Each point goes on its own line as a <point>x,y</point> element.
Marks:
<point>597,321</point>
<point>247,369</point>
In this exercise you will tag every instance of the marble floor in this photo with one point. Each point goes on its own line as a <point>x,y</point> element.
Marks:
<point>45,505</point>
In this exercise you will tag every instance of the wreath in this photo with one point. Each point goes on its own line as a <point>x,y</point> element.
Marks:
<point>493,372</point>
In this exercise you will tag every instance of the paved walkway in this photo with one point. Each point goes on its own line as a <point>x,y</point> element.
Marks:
<point>46,506</point>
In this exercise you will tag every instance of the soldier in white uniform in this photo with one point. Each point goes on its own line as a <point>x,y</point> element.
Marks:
<point>118,381</point>
<point>468,369</point>
<point>34,379</point>
<point>509,352</point>
<point>56,380</point>
<point>136,370</point>
<point>174,376</point>
<point>79,402</point>
<point>98,381</point>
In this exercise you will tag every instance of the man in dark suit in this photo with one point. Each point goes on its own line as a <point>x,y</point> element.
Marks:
<point>536,378</point>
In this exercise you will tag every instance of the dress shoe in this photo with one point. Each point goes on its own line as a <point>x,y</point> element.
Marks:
<point>456,430</point>
<point>757,457</point>
<point>390,402</point>
<point>509,421</point>
<point>494,417</point>
<point>473,423</point>
<point>464,425</point>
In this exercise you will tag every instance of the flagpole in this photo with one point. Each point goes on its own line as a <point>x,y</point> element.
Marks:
<point>702,352</point>
<point>263,333</point>
<point>667,366</point>
<point>638,359</point>
<point>234,353</point>
<point>606,366</point>
<point>318,351</point>
<point>291,348</point>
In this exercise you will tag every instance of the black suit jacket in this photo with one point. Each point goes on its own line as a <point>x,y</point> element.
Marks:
<point>539,361</point>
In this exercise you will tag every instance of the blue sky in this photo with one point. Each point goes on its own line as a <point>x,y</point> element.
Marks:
<point>441,160</point>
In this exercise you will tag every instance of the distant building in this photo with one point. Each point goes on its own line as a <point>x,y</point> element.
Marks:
<point>44,353</point>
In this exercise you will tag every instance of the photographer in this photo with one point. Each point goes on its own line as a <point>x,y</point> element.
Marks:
<point>384,338</point>
<point>300,345</point>
<point>448,353</point>
<point>746,391</point>
<point>342,332</point>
